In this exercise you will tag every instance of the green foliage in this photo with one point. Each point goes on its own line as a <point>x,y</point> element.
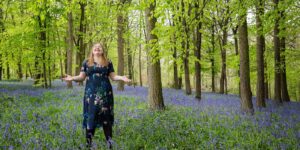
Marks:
<point>20,42</point>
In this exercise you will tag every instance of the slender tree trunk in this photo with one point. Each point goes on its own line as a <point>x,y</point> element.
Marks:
<point>141,25</point>
<point>121,42</point>
<point>19,64</point>
<point>186,47</point>
<point>140,61</point>
<point>70,45</point>
<point>246,101</point>
<point>155,96</point>
<point>26,72</point>
<point>284,90</point>
<point>129,59</point>
<point>175,69</point>
<point>175,66</point>
<point>197,52</point>
<point>37,72</point>
<point>43,39</point>
<point>236,47</point>
<point>277,78</point>
<point>66,52</point>
<point>7,68</point>
<point>61,66</point>
<point>1,31</point>
<point>212,56</point>
<point>50,69</point>
<point>260,42</point>
<point>267,93</point>
<point>223,56</point>
<point>80,43</point>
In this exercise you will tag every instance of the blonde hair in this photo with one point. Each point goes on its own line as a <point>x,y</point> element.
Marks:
<point>91,56</point>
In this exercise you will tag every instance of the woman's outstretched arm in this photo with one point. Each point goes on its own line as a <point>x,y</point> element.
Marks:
<point>115,77</point>
<point>78,78</point>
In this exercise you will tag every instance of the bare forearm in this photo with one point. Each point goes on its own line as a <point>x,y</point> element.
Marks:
<point>77,78</point>
<point>117,78</point>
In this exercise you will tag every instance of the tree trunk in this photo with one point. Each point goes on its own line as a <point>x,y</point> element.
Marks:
<point>175,69</point>
<point>141,25</point>
<point>155,96</point>
<point>175,66</point>
<point>20,74</point>
<point>140,61</point>
<point>1,31</point>
<point>61,66</point>
<point>80,43</point>
<point>236,47</point>
<point>212,56</point>
<point>121,42</point>
<point>284,90</point>
<point>50,68</point>
<point>129,59</point>
<point>246,102</point>
<point>223,56</point>
<point>260,42</point>
<point>7,68</point>
<point>186,47</point>
<point>277,78</point>
<point>197,52</point>
<point>42,25</point>
<point>70,45</point>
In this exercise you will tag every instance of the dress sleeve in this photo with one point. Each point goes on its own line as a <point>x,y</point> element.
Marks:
<point>110,67</point>
<point>84,67</point>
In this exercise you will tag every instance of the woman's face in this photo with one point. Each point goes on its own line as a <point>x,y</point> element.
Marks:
<point>97,50</point>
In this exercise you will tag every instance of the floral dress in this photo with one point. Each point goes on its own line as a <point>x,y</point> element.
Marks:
<point>98,99</point>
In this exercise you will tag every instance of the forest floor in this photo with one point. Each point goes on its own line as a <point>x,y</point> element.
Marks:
<point>37,118</point>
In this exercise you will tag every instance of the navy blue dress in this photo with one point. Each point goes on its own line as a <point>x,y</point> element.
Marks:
<point>98,101</point>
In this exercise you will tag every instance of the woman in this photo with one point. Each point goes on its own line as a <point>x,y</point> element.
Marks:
<point>98,96</point>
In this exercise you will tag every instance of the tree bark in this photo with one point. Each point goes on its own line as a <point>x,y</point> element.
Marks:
<point>186,47</point>
<point>277,78</point>
<point>174,49</point>
<point>224,28</point>
<point>1,31</point>
<point>246,102</point>
<point>223,56</point>
<point>197,49</point>
<point>267,93</point>
<point>80,42</point>
<point>212,56</point>
<point>155,97</point>
<point>7,68</point>
<point>129,58</point>
<point>140,59</point>
<point>284,90</point>
<point>260,42</point>
<point>121,42</point>
<point>70,45</point>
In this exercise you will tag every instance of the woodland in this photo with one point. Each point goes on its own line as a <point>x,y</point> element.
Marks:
<point>206,74</point>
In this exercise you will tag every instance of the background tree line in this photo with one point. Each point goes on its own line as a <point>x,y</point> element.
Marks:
<point>249,48</point>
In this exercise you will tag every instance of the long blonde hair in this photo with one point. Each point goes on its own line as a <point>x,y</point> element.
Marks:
<point>91,56</point>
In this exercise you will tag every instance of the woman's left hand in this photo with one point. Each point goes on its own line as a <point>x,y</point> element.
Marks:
<point>125,79</point>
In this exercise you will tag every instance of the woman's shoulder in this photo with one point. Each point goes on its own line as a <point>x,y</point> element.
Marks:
<point>109,61</point>
<point>85,62</point>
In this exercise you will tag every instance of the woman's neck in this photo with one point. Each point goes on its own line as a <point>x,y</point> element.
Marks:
<point>98,59</point>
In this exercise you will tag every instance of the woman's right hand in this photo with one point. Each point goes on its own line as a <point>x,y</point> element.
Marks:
<point>68,78</point>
